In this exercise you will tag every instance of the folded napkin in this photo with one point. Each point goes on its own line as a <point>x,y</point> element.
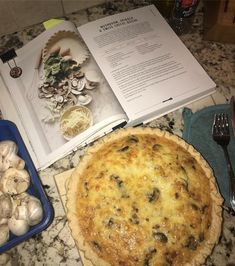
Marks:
<point>198,132</point>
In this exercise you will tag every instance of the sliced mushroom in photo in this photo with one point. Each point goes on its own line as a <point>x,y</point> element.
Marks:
<point>84,99</point>
<point>93,76</point>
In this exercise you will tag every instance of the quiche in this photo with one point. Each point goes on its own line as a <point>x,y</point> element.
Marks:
<point>143,196</point>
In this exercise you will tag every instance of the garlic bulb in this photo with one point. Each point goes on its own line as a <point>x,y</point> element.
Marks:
<point>18,227</point>
<point>8,156</point>
<point>29,208</point>
<point>14,161</point>
<point>14,181</point>
<point>7,147</point>
<point>4,233</point>
<point>35,211</point>
<point>5,206</point>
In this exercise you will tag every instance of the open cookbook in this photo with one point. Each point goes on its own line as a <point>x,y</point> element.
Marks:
<point>78,84</point>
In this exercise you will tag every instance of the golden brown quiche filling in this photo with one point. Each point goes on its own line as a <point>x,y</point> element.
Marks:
<point>143,199</point>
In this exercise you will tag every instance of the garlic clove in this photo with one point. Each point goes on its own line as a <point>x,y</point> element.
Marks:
<point>18,227</point>
<point>21,212</point>
<point>21,199</point>
<point>9,157</point>
<point>35,211</point>
<point>6,206</point>
<point>4,234</point>
<point>7,147</point>
<point>28,208</point>
<point>4,164</point>
<point>14,181</point>
<point>3,221</point>
<point>14,161</point>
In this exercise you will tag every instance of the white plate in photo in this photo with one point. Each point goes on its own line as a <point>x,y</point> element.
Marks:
<point>66,43</point>
<point>75,120</point>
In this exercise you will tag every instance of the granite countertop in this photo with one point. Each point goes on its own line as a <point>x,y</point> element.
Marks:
<point>55,245</point>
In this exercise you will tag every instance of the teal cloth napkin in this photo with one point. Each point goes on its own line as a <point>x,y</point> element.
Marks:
<point>198,132</point>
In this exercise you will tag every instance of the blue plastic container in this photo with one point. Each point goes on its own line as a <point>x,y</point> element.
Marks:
<point>9,131</point>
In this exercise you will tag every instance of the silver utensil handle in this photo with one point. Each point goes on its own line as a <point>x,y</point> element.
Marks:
<point>232,177</point>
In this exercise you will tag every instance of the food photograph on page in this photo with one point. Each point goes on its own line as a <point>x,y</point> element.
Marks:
<point>68,89</point>
<point>63,82</point>
<point>64,85</point>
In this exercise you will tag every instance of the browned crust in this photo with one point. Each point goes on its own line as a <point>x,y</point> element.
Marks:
<point>217,200</point>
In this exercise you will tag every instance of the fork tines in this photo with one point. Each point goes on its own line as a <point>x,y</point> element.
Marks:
<point>221,124</point>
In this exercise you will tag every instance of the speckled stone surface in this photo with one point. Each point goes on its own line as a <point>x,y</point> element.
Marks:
<point>55,246</point>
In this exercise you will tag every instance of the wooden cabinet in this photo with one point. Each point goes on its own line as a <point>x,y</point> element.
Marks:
<point>219,20</point>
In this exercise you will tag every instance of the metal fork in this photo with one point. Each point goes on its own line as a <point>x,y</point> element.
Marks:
<point>221,135</point>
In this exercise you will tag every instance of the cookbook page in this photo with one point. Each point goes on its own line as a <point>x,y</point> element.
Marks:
<point>62,97</point>
<point>145,63</point>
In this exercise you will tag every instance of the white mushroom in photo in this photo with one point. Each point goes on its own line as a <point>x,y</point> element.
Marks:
<point>55,50</point>
<point>65,51</point>
<point>18,227</point>
<point>67,57</point>
<point>4,234</point>
<point>91,85</point>
<point>93,76</point>
<point>14,181</point>
<point>84,99</point>
<point>81,84</point>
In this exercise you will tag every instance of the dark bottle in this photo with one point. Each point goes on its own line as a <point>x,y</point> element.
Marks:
<point>182,15</point>
<point>165,7</point>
